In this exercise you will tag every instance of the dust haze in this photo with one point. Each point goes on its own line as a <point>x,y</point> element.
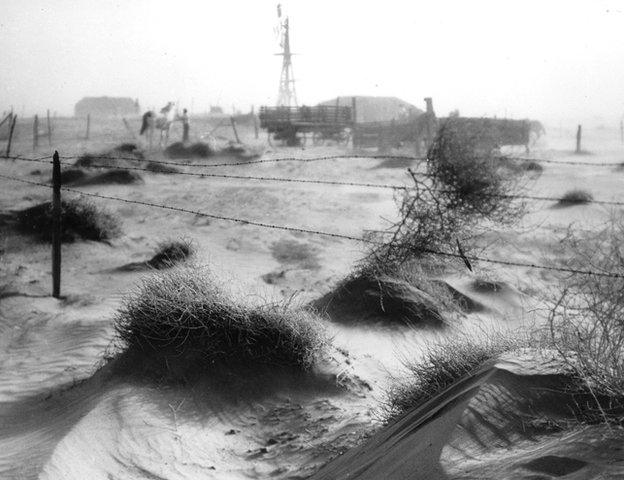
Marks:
<point>326,240</point>
<point>549,60</point>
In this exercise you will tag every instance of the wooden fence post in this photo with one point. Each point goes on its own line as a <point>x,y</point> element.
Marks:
<point>56,226</point>
<point>354,133</point>
<point>35,132</point>
<point>49,129</point>
<point>255,122</point>
<point>578,139</point>
<point>88,126</point>
<point>233,122</point>
<point>8,150</point>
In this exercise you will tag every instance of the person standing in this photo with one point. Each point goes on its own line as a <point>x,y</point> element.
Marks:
<point>185,126</point>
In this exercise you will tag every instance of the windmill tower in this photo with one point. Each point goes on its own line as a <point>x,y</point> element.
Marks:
<point>287,96</point>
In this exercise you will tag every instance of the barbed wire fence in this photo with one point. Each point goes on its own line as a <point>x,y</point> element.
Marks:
<point>547,198</point>
<point>57,188</point>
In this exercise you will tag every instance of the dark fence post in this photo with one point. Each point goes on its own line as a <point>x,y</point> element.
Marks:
<point>88,126</point>
<point>578,139</point>
<point>8,150</point>
<point>56,226</point>
<point>35,132</point>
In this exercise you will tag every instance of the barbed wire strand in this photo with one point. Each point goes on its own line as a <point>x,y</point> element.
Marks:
<point>340,183</point>
<point>317,159</point>
<point>322,233</point>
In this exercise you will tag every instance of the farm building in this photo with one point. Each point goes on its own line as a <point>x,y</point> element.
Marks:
<point>106,107</point>
<point>376,109</point>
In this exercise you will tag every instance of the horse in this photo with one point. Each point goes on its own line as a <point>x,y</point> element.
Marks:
<point>162,122</point>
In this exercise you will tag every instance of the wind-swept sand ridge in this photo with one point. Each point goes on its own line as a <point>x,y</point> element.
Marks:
<point>501,422</point>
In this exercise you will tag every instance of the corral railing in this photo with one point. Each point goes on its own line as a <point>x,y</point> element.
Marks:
<point>277,118</point>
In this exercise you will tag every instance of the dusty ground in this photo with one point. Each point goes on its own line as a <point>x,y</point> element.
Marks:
<point>60,420</point>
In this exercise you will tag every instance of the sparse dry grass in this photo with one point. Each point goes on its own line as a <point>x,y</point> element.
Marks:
<point>442,365</point>
<point>183,317</point>
<point>587,315</point>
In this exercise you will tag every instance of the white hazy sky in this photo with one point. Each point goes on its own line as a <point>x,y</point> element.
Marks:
<point>549,59</point>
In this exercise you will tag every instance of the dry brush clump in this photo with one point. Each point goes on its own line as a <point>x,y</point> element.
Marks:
<point>161,168</point>
<point>182,321</point>
<point>464,189</point>
<point>468,172</point>
<point>79,219</point>
<point>587,316</point>
<point>125,152</point>
<point>194,150</point>
<point>170,253</point>
<point>404,295</point>
<point>117,176</point>
<point>575,197</point>
<point>465,186</point>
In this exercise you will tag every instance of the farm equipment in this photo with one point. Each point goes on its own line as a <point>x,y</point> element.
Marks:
<point>294,124</point>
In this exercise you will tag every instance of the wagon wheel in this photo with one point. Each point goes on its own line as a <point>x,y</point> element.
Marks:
<point>318,138</point>
<point>343,137</point>
<point>303,139</point>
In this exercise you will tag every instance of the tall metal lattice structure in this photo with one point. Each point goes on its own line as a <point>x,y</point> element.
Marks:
<point>287,95</point>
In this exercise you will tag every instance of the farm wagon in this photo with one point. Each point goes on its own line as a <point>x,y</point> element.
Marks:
<point>295,124</point>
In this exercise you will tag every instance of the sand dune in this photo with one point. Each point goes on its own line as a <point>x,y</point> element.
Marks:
<point>67,414</point>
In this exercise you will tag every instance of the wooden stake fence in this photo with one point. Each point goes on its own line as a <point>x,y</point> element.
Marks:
<point>56,226</point>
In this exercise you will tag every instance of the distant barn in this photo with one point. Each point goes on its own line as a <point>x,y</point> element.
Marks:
<point>106,107</point>
<point>377,109</point>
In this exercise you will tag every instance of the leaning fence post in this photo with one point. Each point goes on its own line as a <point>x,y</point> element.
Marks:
<point>233,122</point>
<point>8,150</point>
<point>578,139</point>
<point>35,132</point>
<point>88,126</point>
<point>56,226</point>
